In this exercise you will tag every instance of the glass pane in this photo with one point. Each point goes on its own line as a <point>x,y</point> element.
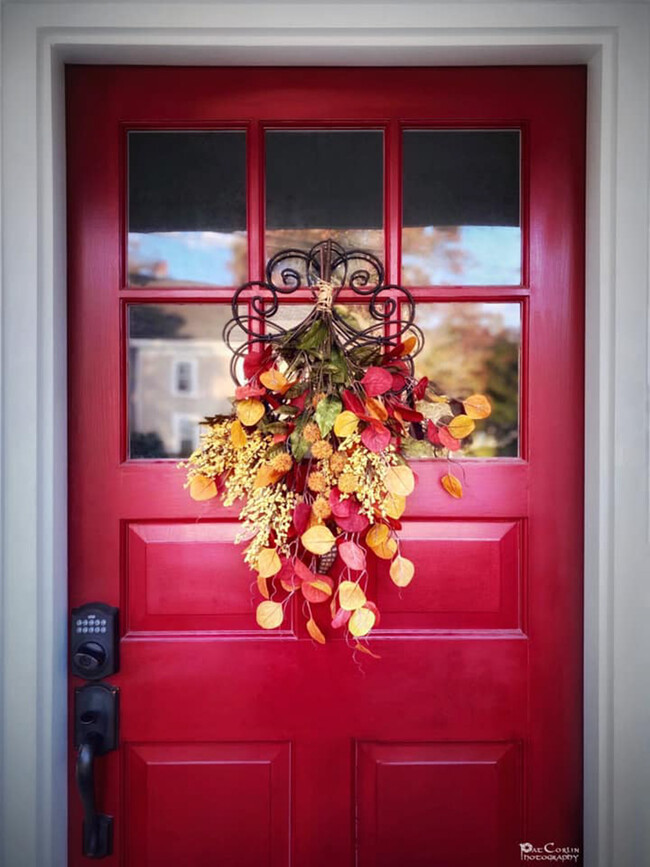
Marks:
<point>187,208</point>
<point>357,315</point>
<point>461,223</point>
<point>475,347</point>
<point>324,184</point>
<point>178,373</point>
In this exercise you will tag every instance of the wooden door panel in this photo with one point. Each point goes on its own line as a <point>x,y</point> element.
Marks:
<point>243,747</point>
<point>211,803</point>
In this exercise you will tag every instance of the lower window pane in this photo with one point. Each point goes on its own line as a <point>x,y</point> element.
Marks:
<point>475,348</point>
<point>178,372</point>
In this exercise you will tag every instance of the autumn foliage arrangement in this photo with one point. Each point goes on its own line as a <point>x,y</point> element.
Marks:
<point>313,450</point>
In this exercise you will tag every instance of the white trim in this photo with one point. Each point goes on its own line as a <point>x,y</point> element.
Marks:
<point>37,39</point>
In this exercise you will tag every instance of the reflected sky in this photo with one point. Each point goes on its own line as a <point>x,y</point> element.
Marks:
<point>467,255</point>
<point>204,258</point>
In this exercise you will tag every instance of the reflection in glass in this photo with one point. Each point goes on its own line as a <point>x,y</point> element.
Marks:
<point>475,347</point>
<point>187,208</point>
<point>357,315</point>
<point>461,208</point>
<point>324,183</point>
<point>178,373</point>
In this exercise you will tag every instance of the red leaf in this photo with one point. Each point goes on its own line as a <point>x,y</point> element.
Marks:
<point>398,382</point>
<point>375,437</point>
<point>447,440</point>
<point>287,573</point>
<point>313,593</point>
<point>341,618</point>
<point>376,381</point>
<point>303,572</point>
<point>340,508</point>
<point>353,403</point>
<point>420,388</point>
<point>433,434</point>
<point>406,412</point>
<point>354,522</point>
<point>372,607</point>
<point>353,556</point>
<point>299,401</point>
<point>301,514</point>
<point>244,391</point>
<point>256,361</point>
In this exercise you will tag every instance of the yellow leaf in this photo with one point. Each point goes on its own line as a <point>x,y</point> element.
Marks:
<point>269,615</point>
<point>250,411</point>
<point>268,562</point>
<point>346,423</point>
<point>323,586</point>
<point>364,649</point>
<point>274,380</point>
<point>461,426</point>
<point>237,434</point>
<point>317,539</point>
<point>452,485</point>
<point>386,551</point>
<point>400,480</point>
<point>377,535</point>
<point>394,505</point>
<point>266,475</point>
<point>361,622</point>
<point>402,571</point>
<point>202,488</point>
<point>314,631</point>
<point>351,596</point>
<point>477,406</point>
<point>262,586</point>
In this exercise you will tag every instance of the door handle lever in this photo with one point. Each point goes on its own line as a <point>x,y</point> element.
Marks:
<point>95,734</point>
<point>98,827</point>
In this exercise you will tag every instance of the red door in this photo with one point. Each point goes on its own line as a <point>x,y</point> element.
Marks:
<point>243,748</point>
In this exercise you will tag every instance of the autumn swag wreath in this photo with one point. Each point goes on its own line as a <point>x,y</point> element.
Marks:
<point>322,413</point>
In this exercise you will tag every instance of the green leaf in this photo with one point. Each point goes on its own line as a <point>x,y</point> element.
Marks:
<point>337,366</point>
<point>296,390</point>
<point>365,356</point>
<point>326,412</point>
<point>313,338</point>
<point>274,427</point>
<point>299,445</point>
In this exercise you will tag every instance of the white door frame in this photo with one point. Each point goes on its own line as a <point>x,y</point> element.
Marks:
<point>38,38</point>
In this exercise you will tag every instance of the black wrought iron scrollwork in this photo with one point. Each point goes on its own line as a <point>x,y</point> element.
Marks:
<point>328,271</point>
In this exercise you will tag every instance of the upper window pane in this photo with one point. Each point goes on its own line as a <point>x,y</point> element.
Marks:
<point>461,213</point>
<point>324,184</point>
<point>187,208</point>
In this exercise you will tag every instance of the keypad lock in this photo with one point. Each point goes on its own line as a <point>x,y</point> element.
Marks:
<point>94,641</point>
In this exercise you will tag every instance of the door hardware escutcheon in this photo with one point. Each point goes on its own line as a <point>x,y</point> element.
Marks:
<point>95,733</point>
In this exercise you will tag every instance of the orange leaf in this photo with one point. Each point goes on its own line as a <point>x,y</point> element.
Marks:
<point>477,406</point>
<point>268,562</point>
<point>361,622</point>
<point>376,409</point>
<point>314,631</point>
<point>317,590</point>
<point>262,586</point>
<point>409,345</point>
<point>386,551</point>
<point>364,649</point>
<point>346,423</point>
<point>400,480</point>
<point>452,485</point>
<point>274,380</point>
<point>377,535</point>
<point>269,615</point>
<point>237,434</point>
<point>351,596</point>
<point>394,505</point>
<point>461,426</point>
<point>318,539</point>
<point>202,488</point>
<point>266,475</point>
<point>250,411</point>
<point>402,571</point>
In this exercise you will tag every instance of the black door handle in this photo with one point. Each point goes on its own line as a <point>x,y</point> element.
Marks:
<point>95,734</point>
<point>97,830</point>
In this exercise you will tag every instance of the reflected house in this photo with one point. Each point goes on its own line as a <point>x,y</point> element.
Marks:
<point>178,373</point>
